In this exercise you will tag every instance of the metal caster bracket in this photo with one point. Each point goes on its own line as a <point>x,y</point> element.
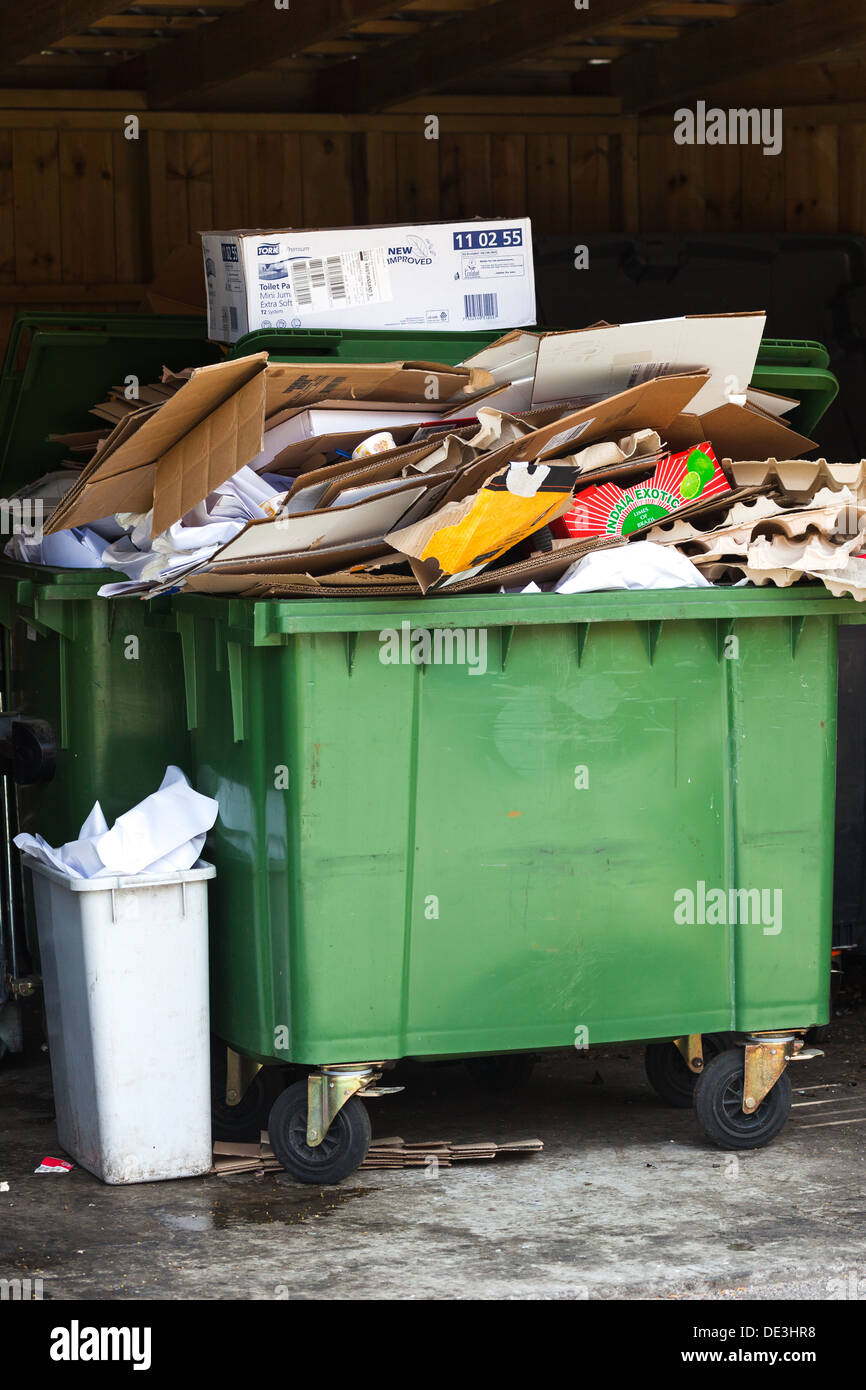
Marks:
<point>329,1089</point>
<point>767,1055</point>
<point>691,1048</point>
<point>241,1072</point>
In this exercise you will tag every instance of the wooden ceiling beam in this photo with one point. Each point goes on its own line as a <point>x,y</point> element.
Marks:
<point>32,26</point>
<point>764,38</point>
<point>190,69</point>
<point>488,37</point>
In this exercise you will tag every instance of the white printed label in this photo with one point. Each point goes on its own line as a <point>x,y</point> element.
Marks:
<point>315,284</point>
<point>490,265</point>
<point>521,483</point>
<point>566,436</point>
<point>645,371</point>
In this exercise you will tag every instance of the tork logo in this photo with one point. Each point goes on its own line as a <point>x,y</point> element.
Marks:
<point>268,248</point>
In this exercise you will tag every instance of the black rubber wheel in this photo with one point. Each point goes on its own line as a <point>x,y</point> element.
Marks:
<point>719,1104</point>
<point>245,1121</point>
<point>668,1073</point>
<point>342,1149</point>
<point>505,1071</point>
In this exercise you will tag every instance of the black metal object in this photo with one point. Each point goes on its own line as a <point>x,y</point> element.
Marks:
<point>28,754</point>
<point>28,750</point>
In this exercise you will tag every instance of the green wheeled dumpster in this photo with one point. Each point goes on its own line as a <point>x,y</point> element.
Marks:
<point>498,824</point>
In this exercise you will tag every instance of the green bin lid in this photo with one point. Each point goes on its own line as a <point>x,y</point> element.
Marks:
<point>362,345</point>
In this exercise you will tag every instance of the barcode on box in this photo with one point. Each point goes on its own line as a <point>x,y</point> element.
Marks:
<point>230,318</point>
<point>301,285</point>
<point>336,283</point>
<point>646,371</point>
<point>321,283</point>
<point>480,306</point>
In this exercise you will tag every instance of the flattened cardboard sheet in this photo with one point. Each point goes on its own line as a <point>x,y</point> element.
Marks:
<point>170,457</point>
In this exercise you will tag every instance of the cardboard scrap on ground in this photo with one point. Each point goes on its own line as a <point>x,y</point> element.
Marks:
<point>397,1153</point>
<point>392,1152</point>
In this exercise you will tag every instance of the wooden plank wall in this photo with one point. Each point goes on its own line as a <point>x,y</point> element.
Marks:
<point>86,216</point>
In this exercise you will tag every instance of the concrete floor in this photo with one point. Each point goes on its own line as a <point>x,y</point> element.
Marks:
<point>627,1200</point>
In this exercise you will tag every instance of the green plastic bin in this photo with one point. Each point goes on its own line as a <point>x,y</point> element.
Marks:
<point>797,367</point>
<point>435,860</point>
<point>361,345</point>
<point>58,365</point>
<point>106,674</point>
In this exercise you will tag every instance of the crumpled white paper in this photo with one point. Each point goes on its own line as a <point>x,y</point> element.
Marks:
<point>640,565</point>
<point>79,548</point>
<point>164,833</point>
<point>205,527</point>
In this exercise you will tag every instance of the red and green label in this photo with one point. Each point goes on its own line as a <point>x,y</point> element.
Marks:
<point>679,479</point>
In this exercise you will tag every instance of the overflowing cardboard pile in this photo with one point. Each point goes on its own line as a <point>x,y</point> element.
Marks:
<point>408,478</point>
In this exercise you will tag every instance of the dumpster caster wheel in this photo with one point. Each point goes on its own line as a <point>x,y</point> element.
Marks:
<point>668,1074</point>
<point>344,1146</point>
<point>244,1121</point>
<point>504,1072</point>
<point>719,1104</point>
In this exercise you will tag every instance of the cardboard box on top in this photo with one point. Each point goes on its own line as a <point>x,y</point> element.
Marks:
<point>435,276</point>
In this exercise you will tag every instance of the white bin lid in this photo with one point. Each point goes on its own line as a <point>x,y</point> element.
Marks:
<point>200,870</point>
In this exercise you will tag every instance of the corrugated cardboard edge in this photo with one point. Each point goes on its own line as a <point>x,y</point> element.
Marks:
<point>168,430</point>
<point>227,439</point>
